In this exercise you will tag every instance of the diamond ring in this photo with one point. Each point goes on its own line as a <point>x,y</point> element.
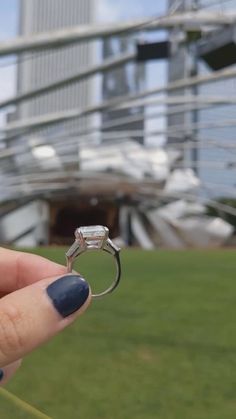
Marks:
<point>94,238</point>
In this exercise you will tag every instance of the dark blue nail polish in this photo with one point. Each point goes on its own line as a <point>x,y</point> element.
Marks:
<point>1,374</point>
<point>68,294</point>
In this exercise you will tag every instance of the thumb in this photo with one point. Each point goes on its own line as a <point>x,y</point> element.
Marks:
<point>32,315</point>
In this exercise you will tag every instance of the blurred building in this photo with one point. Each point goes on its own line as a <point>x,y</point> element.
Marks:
<point>215,166</point>
<point>177,70</point>
<point>221,183</point>
<point>66,209</point>
<point>124,80</point>
<point>47,67</point>
<point>35,70</point>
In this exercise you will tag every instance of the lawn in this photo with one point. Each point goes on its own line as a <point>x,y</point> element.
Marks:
<point>162,346</point>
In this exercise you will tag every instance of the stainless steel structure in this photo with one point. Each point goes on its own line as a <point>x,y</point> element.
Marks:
<point>88,32</point>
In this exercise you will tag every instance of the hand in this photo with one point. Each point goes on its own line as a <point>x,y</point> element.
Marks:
<point>38,299</point>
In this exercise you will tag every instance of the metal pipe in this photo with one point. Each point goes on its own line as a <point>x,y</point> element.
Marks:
<point>58,117</point>
<point>63,37</point>
<point>88,72</point>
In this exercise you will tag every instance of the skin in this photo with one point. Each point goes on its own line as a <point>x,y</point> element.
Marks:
<point>27,316</point>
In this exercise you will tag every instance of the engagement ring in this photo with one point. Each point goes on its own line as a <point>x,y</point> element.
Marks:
<point>94,238</point>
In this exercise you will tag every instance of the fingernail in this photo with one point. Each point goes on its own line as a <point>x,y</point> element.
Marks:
<point>68,294</point>
<point>1,374</point>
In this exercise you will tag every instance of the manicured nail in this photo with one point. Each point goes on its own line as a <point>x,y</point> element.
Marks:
<point>1,374</point>
<point>68,294</point>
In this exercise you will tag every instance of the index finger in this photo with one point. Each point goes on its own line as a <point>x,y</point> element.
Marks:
<point>19,269</point>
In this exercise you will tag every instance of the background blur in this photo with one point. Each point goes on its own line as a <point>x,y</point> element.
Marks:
<point>122,113</point>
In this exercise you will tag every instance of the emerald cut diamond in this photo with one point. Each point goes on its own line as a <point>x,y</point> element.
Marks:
<point>94,236</point>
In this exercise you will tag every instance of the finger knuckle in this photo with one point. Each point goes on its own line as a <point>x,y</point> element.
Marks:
<point>11,340</point>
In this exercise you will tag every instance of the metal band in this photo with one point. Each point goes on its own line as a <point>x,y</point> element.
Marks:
<point>108,247</point>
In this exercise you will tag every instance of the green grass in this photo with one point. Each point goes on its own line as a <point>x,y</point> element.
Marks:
<point>162,346</point>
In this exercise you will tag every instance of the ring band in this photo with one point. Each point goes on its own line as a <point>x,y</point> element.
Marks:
<point>94,238</point>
